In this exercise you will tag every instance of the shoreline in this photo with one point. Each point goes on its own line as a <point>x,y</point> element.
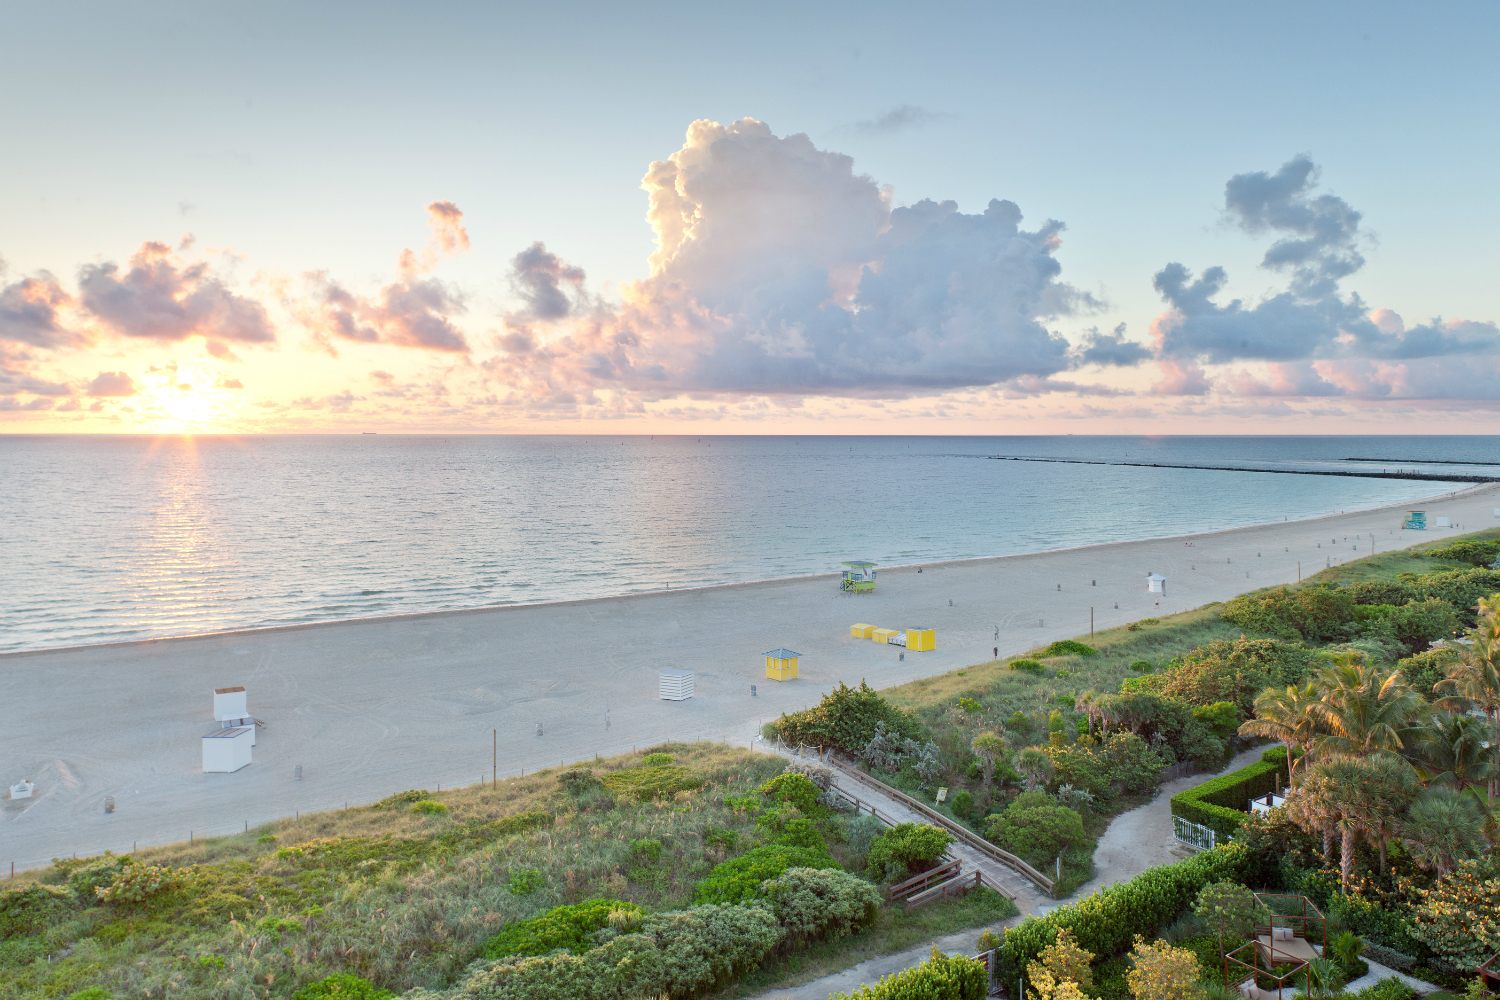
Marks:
<point>369,706</point>
<point>648,594</point>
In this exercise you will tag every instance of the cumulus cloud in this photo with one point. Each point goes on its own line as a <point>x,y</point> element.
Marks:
<point>112,384</point>
<point>778,269</point>
<point>1110,349</point>
<point>897,119</point>
<point>412,311</point>
<point>161,298</point>
<point>1315,339</point>
<point>29,312</point>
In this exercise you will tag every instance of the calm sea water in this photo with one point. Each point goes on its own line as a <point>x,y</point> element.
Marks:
<point>111,538</point>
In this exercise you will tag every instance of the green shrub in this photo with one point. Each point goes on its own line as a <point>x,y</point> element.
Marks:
<point>1461,588</point>
<point>1029,666</point>
<point>846,718</point>
<point>1423,670</point>
<point>136,883</point>
<point>1316,612</point>
<point>789,826</point>
<point>428,807</point>
<point>101,993</point>
<point>1106,921</point>
<point>1456,917</point>
<point>656,759</point>
<point>1475,552</point>
<point>912,847</point>
<point>647,783</point>
<point>1122,757</point>
<point>32,908</point>
<point>1019,720</point>
<point>1068,647</point>
<point>1036,828</point>
<point>568,927</point>
<point>813,904</point>
<point>402,798</point>
<point>1396,592</point>
<point>963,804</point>
<point>793,789</point>
<point>941,977</point>
<point>525,881</point>
<point>1236,670</point>
<point>86,875</point>
<point>859,837</point>
<point>1415,625</point>
<point>342,986</point>
<point>970,705</point>
<point>1143,666</point>
<point>578,780</point>
<point>1221,803</point>
<point>740,878</point>
<point>681,954</point>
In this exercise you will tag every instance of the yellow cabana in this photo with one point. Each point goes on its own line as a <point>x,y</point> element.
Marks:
<point>781,664</point>
<point>920,640</point>
<point>861,631</point>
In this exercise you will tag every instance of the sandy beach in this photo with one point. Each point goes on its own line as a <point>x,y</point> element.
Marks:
<point>374,706</point>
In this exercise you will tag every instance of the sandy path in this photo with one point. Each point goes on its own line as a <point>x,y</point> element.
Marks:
<point>372,706</point>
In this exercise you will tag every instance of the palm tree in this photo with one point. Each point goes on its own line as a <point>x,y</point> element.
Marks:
<point>1381,797</point>
<point>1474,681</point>
<point>1444,827</point>
<point>1314,808</point>
<point>1361,709</point>
<point>1285,715</point>
<point>989,747</point>
<point>1454,749</point>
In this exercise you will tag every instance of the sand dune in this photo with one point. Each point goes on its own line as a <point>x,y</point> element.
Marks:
<point>374,706</point>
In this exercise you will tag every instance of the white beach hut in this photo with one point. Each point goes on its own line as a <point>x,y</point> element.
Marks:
<point>1156,583</point>
<point>231,711</point>
<point>228,749</point>
<point>676,685</point>
<point>22,790</point>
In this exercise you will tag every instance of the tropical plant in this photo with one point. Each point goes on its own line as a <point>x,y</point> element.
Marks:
<point>1285,714</point>
<point>990,748</point>
<point>1354,796</point>
<point>1064,960</point>
<point>1457,749</point>
<point>1459,917</point>
<point>1474,681</point>
<point>1036,828</point>
<point>1327,976</point>
<point>1444,827</point>
<point>1228,909</point>
<point>1346,948</point>
<point>1362,709</point>
<point>909,848</point>
<point>1036,766</point>
<point>1162,972</point>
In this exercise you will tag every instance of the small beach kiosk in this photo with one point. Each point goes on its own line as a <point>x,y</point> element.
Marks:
<point>781,664</point>
<point>858,577</point>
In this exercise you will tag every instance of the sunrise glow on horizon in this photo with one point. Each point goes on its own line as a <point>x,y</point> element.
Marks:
<point>747,258</point>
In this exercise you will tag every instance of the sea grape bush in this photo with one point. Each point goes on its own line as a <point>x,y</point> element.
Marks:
<point>907,849</point>
<point>846,718</point>
<point>821,904</point>
<point>941,977</point>
<point>568,927</point>
<point>739,879</point>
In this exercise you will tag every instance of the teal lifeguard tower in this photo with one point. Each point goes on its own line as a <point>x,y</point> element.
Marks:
<point>858,578</point>
<point>1415,520</point>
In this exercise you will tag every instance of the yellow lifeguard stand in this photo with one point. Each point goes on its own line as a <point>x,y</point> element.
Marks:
<point>781,664</point>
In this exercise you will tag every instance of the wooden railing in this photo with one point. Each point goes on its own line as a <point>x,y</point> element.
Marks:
<point>966,836</point>
<point>924,881</point>
<point>955,886</point>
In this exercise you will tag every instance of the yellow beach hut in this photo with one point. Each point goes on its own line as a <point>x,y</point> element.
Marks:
<point>781,664</point>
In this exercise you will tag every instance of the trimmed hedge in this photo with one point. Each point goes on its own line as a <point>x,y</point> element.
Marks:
<point>1220,803</point>
<point>1106,921</point>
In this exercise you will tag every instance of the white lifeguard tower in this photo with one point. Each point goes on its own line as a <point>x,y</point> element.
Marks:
<point>675,685</point>
<point>22,789</point>
<point>1156,583</point>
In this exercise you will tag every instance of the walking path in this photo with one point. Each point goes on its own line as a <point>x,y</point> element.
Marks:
<point>1378,972</point>
<point>1133,842</point>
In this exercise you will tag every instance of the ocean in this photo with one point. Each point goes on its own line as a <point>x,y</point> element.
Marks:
<point>109,538</point>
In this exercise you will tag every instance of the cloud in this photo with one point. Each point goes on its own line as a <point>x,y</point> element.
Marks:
<point>1110,349</point>
<point>160,298</point>
<point>1317,246</point>
<point>412,311</point>
<point>1181,378</point>
<point>780,270</point>
<point>895,120</point>
<point>29,312</point>
<point>112,384</point>
<point>538,277</point>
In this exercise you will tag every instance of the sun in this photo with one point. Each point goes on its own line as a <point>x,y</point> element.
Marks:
<point>187,399</point>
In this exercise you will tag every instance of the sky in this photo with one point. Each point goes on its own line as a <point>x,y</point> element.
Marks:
<point>772,218</point>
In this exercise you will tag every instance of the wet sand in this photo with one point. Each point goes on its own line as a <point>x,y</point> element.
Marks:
<point>373,706</point>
